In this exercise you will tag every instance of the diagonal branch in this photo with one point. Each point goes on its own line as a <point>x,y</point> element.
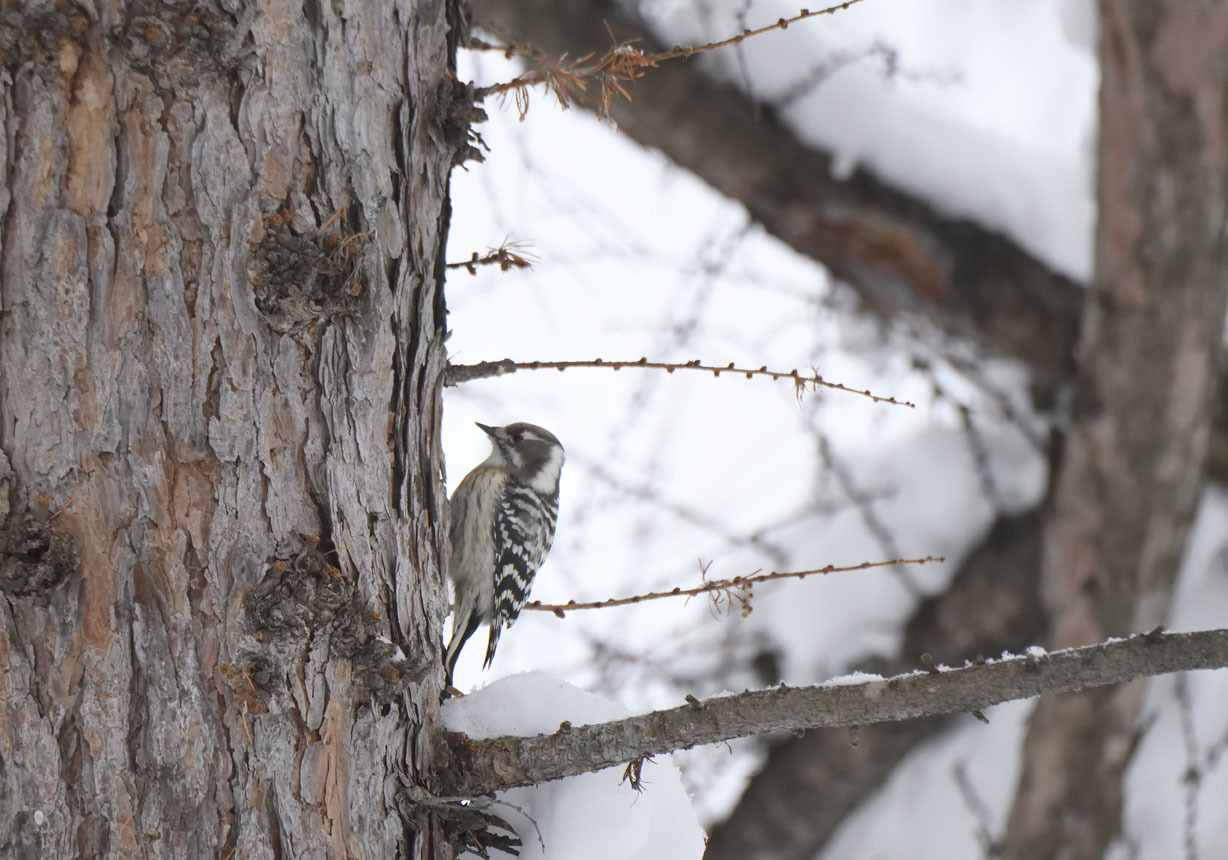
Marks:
<point>482,766</point>
<point>896,250</point>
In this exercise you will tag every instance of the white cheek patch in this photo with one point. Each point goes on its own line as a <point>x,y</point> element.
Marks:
<point>547,480</point>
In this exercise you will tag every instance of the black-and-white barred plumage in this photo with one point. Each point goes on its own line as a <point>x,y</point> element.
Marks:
<point>524,530</point>
<point>503,517</point>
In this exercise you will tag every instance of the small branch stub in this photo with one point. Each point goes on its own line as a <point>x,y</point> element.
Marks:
<point>460,373</point>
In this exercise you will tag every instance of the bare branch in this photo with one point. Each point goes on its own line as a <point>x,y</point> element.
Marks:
<point>482,766</point>
<point>810,784</point>
<point>464,373</point>
<point>737,583</point>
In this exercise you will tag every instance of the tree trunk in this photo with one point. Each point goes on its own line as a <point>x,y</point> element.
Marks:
<point>1132,467</point>
<point>221,345</point>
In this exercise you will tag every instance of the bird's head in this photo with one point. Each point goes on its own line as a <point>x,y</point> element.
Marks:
<point>532,453</point>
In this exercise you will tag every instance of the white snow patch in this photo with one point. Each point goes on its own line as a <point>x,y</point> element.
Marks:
<point>593,815</point>
<point>851,679</point>
<point>1162,807</point>
<point>923,812</point>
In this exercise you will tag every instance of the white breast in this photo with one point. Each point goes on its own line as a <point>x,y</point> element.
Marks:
<point>546,481</point>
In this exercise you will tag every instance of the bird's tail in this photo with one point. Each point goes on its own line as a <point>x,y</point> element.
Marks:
<point>463,628</point>
<point>495,629</point>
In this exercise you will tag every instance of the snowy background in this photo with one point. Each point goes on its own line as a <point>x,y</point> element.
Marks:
<point>989,113</point>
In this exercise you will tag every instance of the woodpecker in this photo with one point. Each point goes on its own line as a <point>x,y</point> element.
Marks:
<point>503,516</point>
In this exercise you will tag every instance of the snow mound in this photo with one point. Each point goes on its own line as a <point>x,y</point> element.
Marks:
<point>593,816</point>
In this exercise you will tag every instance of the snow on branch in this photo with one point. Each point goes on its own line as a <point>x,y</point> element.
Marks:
<point>457,373</point>
<point>480,767</point>
<point>735,590</point>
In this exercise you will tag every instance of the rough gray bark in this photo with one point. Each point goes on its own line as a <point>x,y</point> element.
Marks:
<point>479,766</point>
<point>1133,463</point>
<point>219,453</point>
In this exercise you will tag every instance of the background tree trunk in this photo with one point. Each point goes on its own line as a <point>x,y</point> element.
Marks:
<point>1133,463</point>
<point>221,342</point>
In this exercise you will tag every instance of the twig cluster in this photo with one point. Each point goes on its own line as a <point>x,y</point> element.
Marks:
<point>509,255</point>
<point>620,65</point>
<point>729,587</point>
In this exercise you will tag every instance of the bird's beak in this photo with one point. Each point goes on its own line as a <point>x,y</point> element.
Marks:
<point>489,431</point>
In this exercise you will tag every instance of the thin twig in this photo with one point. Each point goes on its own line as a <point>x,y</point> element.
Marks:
<point>864,504</point>
<point>779,24</point>
<point>465,373</point>
<point>1193,776</point>
<point>737,582</point>
<point>976,805</point>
